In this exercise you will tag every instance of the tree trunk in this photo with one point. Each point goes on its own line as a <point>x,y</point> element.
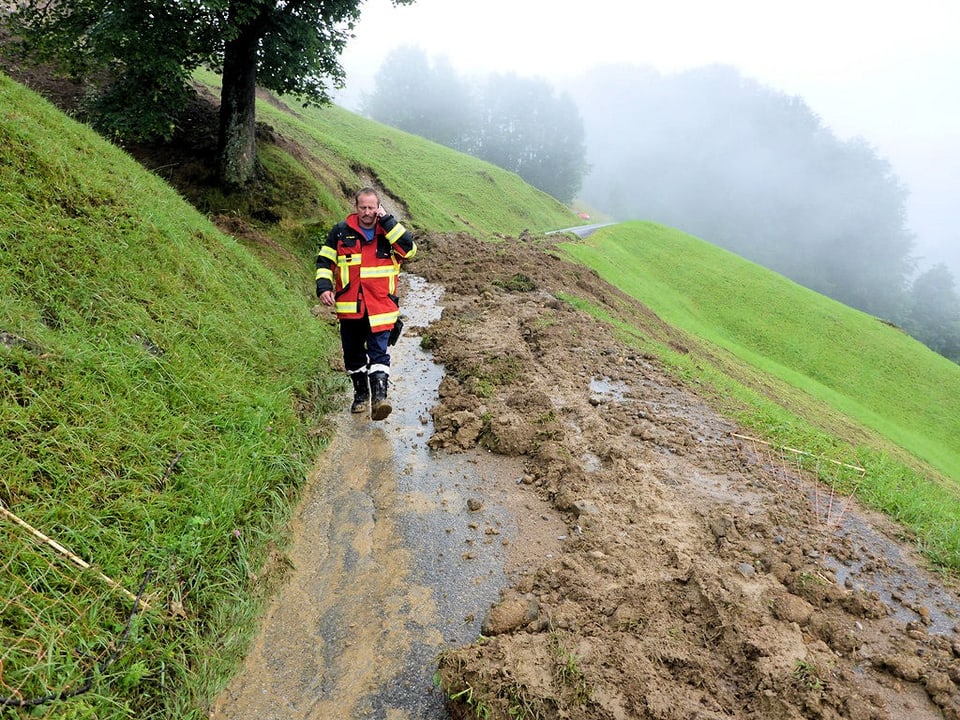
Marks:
<point>238,103</point>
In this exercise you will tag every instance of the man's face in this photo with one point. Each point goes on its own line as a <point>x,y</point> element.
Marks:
<point>367,210</point>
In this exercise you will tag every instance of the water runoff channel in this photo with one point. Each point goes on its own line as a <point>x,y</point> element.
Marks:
<point>390,564</point>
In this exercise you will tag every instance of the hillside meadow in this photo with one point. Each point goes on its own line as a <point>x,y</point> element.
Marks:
<point>159,387</point>
<point>328,151</point>
<point>165,391</point>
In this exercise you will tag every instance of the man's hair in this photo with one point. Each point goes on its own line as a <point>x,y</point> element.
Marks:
<point>366,191</point>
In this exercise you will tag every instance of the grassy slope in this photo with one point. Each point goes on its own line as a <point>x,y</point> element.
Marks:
<point>137,335</point>
<point>809,372</point>
<point>159,378</point>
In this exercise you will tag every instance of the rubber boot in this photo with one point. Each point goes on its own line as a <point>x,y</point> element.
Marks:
<point>379,408</point>
<point>361,392</point>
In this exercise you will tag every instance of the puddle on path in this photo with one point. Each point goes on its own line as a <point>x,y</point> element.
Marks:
<point>606,389</point>
<point>390,565</point>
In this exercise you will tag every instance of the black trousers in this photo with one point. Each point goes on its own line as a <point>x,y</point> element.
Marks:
<point>364,350</point>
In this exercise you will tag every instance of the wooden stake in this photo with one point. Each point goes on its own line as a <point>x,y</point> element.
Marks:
<point>80,562</point>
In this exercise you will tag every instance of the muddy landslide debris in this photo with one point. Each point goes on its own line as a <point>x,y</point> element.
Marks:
<point>693,581</point>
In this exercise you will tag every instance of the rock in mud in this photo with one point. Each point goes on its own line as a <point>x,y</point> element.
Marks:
<point>904,667</point>
<point>513,612</point>
<point>791,608</point>
<point>866,605</point>
<point>585,507</point>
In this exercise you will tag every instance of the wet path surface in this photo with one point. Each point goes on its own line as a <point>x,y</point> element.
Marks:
<point>390,564</point>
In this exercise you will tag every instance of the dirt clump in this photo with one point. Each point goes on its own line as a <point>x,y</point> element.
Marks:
<point>697,579</point>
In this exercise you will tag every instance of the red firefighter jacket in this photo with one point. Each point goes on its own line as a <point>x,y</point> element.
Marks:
<point>363,273</point>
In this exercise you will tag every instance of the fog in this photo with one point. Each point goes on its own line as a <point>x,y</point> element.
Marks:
<point>877,76</point>
<point>752,170</point>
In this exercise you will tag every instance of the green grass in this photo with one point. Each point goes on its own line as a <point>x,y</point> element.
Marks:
<point>157,382</point>
<point>800,369</point>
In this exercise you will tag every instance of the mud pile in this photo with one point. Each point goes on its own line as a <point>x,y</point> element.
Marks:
<point>700,576</point>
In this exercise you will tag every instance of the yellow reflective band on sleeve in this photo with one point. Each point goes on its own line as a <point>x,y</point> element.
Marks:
<point>395,232</point>
<point>413,251</point>
<point>327,253</point>
<point>325,274</point>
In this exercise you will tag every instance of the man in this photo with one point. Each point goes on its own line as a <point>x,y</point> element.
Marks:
<point>357,270</point>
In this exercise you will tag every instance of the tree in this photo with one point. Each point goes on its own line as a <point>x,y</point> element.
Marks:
<point>751,170</point>
<point>146,50</point>
<point>934,312</point>
<point>289,47</point>
<point>526,128</point>
<point>519,124</point>
<point>427,99</point>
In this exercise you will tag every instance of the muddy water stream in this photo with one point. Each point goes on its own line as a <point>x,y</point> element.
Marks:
<point>390,564</point>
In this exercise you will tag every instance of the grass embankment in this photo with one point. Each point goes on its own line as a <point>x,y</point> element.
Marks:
<point>157,385</point>
<point>803,371</point>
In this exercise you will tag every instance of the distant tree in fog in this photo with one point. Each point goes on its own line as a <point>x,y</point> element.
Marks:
<point>934,312</point>
<point>751,170</point>
<point>526,127</point>
<point>519,124</point>
<point>423,98</point>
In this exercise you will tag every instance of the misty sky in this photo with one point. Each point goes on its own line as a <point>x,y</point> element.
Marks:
<point>887,72</point>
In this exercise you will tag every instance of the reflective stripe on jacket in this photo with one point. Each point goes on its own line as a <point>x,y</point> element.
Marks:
<point>363,273</point>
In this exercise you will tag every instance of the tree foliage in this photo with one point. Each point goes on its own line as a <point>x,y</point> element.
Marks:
<point>526,127</point>
<point>121,50</point>
<point>934,312</point>
<point>522,125</point>
<point>138,56</point>
<point>422,97</point>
